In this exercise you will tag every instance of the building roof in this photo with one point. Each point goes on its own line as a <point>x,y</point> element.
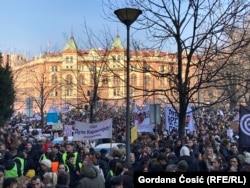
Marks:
<point>117,44</point>
<point>71,45</point>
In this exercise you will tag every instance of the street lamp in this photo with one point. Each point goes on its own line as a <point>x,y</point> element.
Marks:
<point>127,16</point>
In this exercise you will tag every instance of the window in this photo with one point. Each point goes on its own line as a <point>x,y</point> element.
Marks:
<point>105,80</point>
<point>81,79</point>
<point>147,80</point>
<point>118,58</point>
<point>116,91</point>
<point>105,68</point>
<point>54,79</point>
<point>133,79</point>
<point>54,69</point>
<point>69,92</point>
<point>54,93</point>
<point>162,68</point>
<point>146,68</point>
<point>133,92</point>
<point>80,68</point>
<point>69,79</point>
<point>116,80</point>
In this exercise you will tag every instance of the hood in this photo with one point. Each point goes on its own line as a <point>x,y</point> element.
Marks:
<point>9,164</point>
<point>90,172</point>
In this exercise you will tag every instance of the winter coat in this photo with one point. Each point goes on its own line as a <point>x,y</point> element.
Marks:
<point>91,179</point>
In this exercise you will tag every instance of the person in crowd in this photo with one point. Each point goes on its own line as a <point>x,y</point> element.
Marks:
<point>115,170</point>
<point>233,151</point>
<point>54,161</point>
<point>12,169</point>
<point>127,176</point>
<point>193,148</point>
<point>30,174</point>
<point>70,150</point>
<point>32,156</point>
<point>1,175</point>
<point>56,150</point>
<point>46,153</point>
<point>234,164</point>
<point>45,166</point>
<point>36,182</point>
<point>47,143</point>
<point>91,177</point>
<point>209,156</point>
<point>23,181</point>
<point>10,183</point>
<point>49,179</point>
<point>63,180</point>
<point>216,165</point>
<point>202,164</point>
<point>74,171</point>
<point>158,164</point>
<point>177,147</point>
<point>182,166</point>
<point>3,150</point>
<point>116,182</point>
<point>103,162</point>
<point>171,168</point>
<point>61,168</point>
<point>224,148</point>
<point>19,159</point>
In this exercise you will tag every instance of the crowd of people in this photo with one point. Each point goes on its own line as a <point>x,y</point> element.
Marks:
<point>32,161</point>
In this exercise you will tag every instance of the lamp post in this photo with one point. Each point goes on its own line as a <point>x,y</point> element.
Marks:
<point>127,16</point>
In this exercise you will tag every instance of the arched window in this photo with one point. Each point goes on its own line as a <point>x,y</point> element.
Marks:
<point>116,80</point>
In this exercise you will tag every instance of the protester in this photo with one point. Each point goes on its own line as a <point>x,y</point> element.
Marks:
<point>63,180</point>
<point>91,177</point>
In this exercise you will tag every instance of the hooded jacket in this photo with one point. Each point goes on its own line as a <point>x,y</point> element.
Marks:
<point>91,178</point>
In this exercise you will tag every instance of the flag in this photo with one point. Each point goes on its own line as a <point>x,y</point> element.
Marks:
<point>244,128</point>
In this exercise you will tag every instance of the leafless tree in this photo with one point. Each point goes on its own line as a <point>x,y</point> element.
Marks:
<point>200,32</point>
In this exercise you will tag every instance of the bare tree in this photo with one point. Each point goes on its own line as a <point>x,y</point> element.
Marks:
<point>36,83</point>
<point>199,31</point>
<point>93,72</point>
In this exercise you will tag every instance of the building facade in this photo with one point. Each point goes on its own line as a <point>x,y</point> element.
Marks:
<point>79,78</point>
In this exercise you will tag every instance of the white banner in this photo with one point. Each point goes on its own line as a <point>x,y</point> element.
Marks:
<point>92,131</point>
<point>172,119</point>
<point>142,120</point>
<point>67,130</point>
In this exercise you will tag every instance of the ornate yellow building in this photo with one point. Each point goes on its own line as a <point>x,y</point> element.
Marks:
<point>75,77</point>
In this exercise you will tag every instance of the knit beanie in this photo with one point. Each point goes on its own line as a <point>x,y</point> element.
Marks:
<point>182,165</point>
<point>46,162</point>
<point>31,173</point>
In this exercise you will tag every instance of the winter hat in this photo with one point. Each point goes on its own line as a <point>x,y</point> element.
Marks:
<point>184,151</point>
<point>46,162</point>
<point>31,173</point>
<point>247,157</point>
<point>182,165</point>
<point>103,151</point>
